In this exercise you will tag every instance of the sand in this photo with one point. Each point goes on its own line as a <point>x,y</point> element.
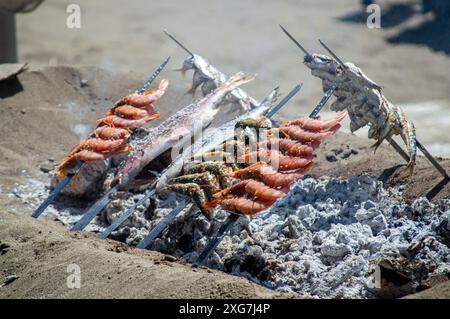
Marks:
<point>45,111</point>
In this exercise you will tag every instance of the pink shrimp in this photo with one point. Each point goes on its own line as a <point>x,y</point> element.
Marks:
<point>100,145</point>
<point>268,175</point>
<point>316,125</point>
<point>110,133</point>
<point>244,205</point>
<point>253,187</point>
<point>97,145</point>
<point>145,99</point>
<point>88,156</point>
<point>130,112</point>
<point>116,121</point>
<point>300,135</point>
<point>262,191</point>
<point>284,162</point>
<point>301,150</point>
<point>291,147</point>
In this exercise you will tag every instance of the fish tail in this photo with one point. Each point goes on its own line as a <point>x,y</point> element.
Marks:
<point>237,80</point>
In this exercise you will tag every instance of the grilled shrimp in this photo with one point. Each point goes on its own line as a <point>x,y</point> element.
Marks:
<point>110,133</point>
<point>117,121</point>
<point>302,150</point>
<point>142,100</point>
<point>131,112</point>
<point>301,135</point>
<point>267,174</point>
<point>88,156</point>
<point>290,147</point>
<point>316,125</point>
<point>244,205</point>
<point>285,163</point>
<point>249,186</point>
<point>97,145</point>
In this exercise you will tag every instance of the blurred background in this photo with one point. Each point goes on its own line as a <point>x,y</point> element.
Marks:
<point>409,55</point>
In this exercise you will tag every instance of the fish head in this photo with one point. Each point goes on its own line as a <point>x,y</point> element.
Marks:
<point>188,64</point>
<point>321,62</point>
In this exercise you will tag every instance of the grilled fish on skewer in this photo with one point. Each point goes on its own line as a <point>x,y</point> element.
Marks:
<point>207,78</point>
<point>364,101</point>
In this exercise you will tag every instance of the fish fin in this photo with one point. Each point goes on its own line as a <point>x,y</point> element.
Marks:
<point>191,91</point>
<point>183,71</point>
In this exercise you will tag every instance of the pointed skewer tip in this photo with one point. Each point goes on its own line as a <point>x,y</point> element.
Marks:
<point>178,42</point>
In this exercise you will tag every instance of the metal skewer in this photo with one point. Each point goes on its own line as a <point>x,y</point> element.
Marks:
<point>308,57</point>
<point>163,224</point>
<point>332,53</point>
<point>178,42</point>
<point>307,54</point>
<point>63,183</point>
<point>394,144</point>
<point>66,180</point>
<point>153,76</point>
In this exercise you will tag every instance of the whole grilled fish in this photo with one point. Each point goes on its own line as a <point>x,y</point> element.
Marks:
<point>185,123</point>
<point>207,77</point>
<point>212,140</point>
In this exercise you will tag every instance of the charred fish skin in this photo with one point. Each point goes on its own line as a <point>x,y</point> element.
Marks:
<point>210,141</point>
<point>184,123</point>
<point>208,78</point>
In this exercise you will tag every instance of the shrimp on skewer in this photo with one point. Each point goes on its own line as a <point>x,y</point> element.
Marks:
<point>147,98</point>
<point>97,145</point>
<point>110,133</point>
<point>117,121</point>
<point>285,163</point>
<point>244,205</point>
<point>316,125</point>
<point>249,186</point>
<point>289,146</point>
<point>301,135</point>
<point>88,156</point>
<point>268,175</point>
<point>131,112</point>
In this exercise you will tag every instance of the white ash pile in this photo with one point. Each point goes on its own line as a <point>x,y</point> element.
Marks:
<point>327,238</point>
<point>324,239</point>
<point>66,209</point>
